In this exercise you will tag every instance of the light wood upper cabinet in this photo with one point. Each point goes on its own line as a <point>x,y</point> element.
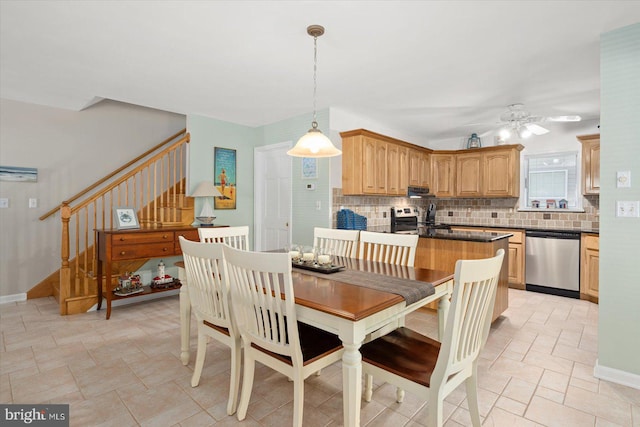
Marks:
<point>443,174</point>
<point>590,164</point>
<point>590,267</point>
<point>374,164</point>
<point>397,169</point>
<point>419,168</point>
<point>501,176</point>
<point>469,175</point>
<point>378,165</point>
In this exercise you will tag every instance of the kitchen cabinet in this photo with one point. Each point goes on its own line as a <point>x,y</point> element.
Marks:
<point>589,266</point>
<point>442,254</point>
<point>590,164</point>
<point>501,176</point>
<point>419,169</point>
<point>374,164</point>
<point>397,169</point>
<point>443,174</point>
<point>469,174</point>
<point>516,252</point>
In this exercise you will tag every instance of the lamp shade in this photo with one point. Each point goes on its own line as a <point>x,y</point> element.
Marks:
<point>314,144</point>
<point>206,189</point>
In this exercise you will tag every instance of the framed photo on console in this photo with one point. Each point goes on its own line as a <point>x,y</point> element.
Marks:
<point>125,218</point>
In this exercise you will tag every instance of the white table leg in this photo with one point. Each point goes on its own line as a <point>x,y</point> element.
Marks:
<point>443,311</point>
<point>351,378</point>
<point>185,317</point>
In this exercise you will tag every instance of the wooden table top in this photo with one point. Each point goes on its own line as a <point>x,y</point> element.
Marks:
<point>350,301</point>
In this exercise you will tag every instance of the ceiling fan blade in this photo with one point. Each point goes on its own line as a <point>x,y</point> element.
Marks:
<point>536,129</point>
<point>564,119</point>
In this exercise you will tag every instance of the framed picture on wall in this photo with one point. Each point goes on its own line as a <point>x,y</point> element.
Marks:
<point>224,173</point>
<point>125,218</point>
<point>309,168</point>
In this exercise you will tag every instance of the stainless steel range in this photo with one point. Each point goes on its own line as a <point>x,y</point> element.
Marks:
<point>404,220</point>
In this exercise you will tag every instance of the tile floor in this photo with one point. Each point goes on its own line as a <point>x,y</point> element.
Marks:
<point>536,369</point>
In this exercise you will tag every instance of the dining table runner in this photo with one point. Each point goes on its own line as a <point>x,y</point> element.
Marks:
<point>411,290</point>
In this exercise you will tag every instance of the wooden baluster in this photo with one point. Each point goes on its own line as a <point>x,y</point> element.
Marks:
<point>76,257</point>
<point>65,270</point>
<point>85,290</point>
<point>174,209</point>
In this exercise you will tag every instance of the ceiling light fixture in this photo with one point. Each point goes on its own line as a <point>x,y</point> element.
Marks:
<point>314,143</point>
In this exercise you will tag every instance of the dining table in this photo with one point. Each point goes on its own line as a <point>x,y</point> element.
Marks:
<point>356,303</point>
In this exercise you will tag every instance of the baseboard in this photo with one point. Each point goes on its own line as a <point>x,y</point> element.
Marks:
<point>616,376</point>
<point>134,300</point>
<point>5,299</point>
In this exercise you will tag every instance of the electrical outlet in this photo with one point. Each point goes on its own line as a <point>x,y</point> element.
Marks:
<point>318,205</point>
<point>625,209</point>
<point>4,203</point>
<point>33,203</point>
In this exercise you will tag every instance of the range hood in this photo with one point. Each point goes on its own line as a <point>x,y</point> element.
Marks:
<point>418,192</point>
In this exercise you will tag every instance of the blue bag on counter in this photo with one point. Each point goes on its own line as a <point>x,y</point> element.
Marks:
<point>349,220</point>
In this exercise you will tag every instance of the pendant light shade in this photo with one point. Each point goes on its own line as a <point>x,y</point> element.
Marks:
<point>314,143</point>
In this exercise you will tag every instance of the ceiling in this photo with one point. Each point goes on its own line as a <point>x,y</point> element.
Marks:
<point>427,68</point>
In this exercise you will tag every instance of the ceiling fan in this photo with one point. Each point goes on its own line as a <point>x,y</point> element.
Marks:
<point>517,120</point>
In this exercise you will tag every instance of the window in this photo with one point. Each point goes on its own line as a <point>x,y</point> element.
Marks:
<point>549,178</point>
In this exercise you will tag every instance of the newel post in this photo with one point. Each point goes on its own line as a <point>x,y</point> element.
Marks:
<point>65,270</point>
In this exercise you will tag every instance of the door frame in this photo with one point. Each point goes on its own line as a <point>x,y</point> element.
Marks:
<point>258,197</point>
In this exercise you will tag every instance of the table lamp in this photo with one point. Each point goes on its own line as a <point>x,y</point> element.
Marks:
<point>205,190</point>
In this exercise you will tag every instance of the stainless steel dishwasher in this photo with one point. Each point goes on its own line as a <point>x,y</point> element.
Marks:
<point>553,262</point>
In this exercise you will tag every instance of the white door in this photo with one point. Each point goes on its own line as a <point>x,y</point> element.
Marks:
<point>272,196</point>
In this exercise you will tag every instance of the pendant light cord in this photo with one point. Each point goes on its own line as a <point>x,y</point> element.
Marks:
<point>314,124</point>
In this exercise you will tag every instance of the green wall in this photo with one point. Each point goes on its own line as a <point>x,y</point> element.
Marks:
<point>207,133</point>
<point>305,216</point>
<point>619,319</point>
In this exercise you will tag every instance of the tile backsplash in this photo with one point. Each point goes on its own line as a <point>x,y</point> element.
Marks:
<point>486,212</point>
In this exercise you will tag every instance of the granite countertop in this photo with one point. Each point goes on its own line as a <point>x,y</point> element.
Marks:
<point>469,236</point>
<point>592,231</point>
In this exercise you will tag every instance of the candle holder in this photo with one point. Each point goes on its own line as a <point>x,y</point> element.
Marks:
<point>324,257</point>
<point>294,251</point>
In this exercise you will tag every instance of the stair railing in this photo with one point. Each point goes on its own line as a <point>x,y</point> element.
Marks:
<point>154,188</point>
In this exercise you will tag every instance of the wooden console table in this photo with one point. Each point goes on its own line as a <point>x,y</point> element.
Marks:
<point>127,245</point>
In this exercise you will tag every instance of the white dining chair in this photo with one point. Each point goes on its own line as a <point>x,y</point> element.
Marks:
<point>236,237</point>
<point>342,243</point>
<point>263,301</point>
<point>432,369</point>
<point>399,249</point>
<point>210,302</point>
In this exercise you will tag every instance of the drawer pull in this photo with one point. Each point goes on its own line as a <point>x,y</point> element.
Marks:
<point>164,249</point>
<point>122,239</point>
<point>165,236</point>
<point>122,253</point>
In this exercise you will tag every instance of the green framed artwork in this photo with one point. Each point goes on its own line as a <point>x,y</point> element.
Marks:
<point>224,173</point>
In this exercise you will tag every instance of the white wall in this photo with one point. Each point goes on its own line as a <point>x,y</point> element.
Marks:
<point>71,150</point>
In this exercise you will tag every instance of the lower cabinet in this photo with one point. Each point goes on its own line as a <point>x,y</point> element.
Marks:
<point>516,253</point>
<point>589,266</point>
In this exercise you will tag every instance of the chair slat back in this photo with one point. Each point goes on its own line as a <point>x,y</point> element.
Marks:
<point>469,319</point>
<point>236,237</point>
<point>389,248</point>
<point>263,301</point>
<point>207,281</point>
<point>342,243</point>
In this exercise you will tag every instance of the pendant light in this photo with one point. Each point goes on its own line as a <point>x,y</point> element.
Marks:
<point>314,143</point>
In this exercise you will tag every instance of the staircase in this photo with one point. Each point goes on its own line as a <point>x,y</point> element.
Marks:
<point>153,184</point>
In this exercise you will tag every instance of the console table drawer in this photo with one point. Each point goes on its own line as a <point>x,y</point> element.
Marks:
<point>151,250</point>
<point>189,235</point>
<point>135,238</point>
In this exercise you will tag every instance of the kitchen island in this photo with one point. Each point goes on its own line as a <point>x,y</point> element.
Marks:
<point>440,249</point>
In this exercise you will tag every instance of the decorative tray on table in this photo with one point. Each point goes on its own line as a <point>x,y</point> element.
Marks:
<point>318,268</point>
